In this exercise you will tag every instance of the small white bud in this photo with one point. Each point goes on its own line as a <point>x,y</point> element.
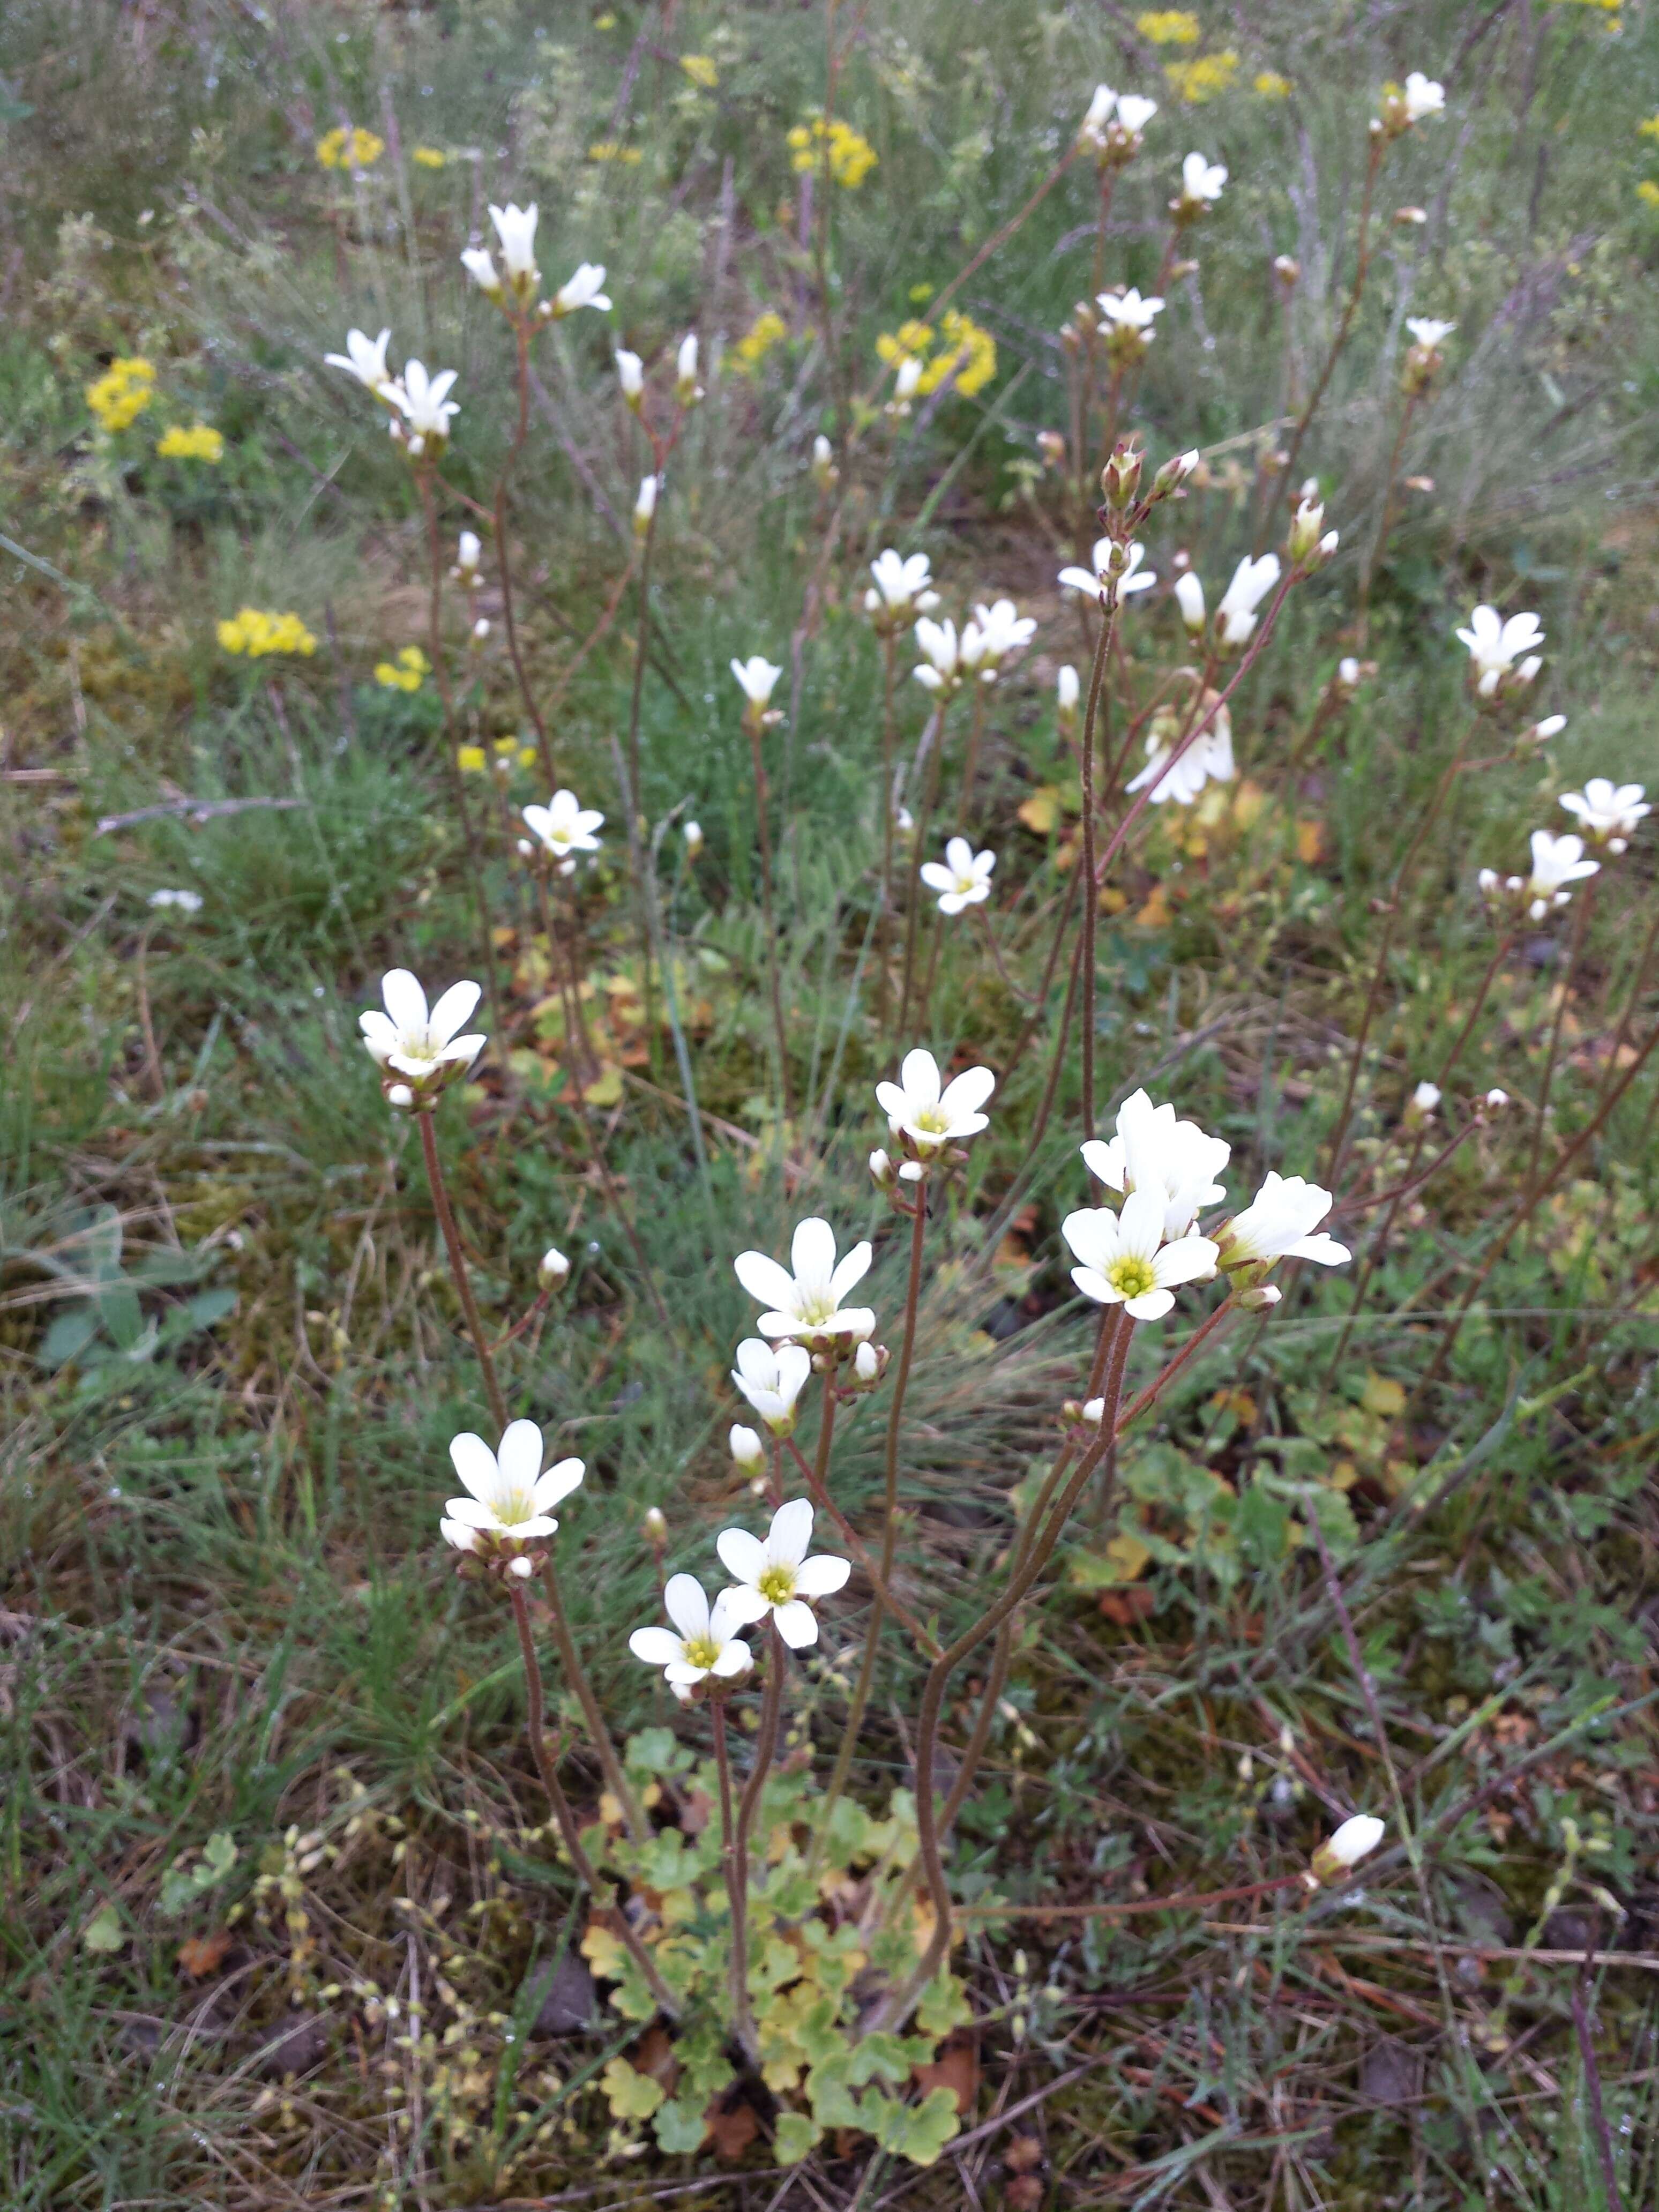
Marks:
<point>866,1363</point>
<point>630,373</point>
<point>1425,1098</point>
<point>1354,1840</point>
<point>1189,597</point>
<point>400,1096</point>
<point>747,1448</point>
<point>654,1525</point>
<point>881,1169</point>
<point>693,835</point>
<point>687,389</point>
<point>480,631</point>
<point>645,506</point>
<point>522,1568</point>
<point>1551,726</point>
<point>555,1270</point>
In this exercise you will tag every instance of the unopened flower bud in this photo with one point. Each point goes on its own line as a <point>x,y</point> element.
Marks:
<point>1288,269</point>
<point>645,506</point>
<point>1306,524</point>
<point>631,375</point>
<point>881,1171</point>
<point>1423,1101</point>
<point>1551,726</point>
<point>824,471</point>
<point>555,1270</point>
<point>1067,695</point>
<point>1120,480</point>
<point>1496,1101</point>
<point>1411,217</point>
<point>747,1448</point>
<point>1261,1299</point>
<point>1052,446</point>
<point>1347,674</point>
<point>655,1526</point>
<point>687,389</point>
<point>905,383</point>
<point>400,1097</point>
<point>480,634</point>
<point>1341,1853</point>
<point>522,1567</point>
<point>1189,597</point>
<point>1173,473</point>
<point>869,1363</point>
<point>694,841</point>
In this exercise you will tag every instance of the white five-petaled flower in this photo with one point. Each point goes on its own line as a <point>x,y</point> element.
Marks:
<point>509,1495</point>
<point>424,404</point>
<point>1101,582</point>
<point>1208,759</point>
<point>1278,1223</point>
<point>994,633</point>
<point>564,826</point>
<point>1556,862</point>
<point>1128,311</point>
<point>940,643</point>
<point>776,1577</point>
<point>1495,645</point>
<point>631,375</point>
<point>365,359</point>
<point>1154,1151</point>
<point>772,1377</point>
<point>408,1040</point>
<point>515,226</point>
<point>1608,811</point>
<point>756,678</point>
<point>1252,582</point>
<point>808,1304</point>
<point>701,1642</point>
<point>916,1108</point>
<point>585,289</point>
<point>1428,333</point>
<point>190,902</point>
<point>1134,113</point>
<point>1201,181</point>
<point>1125,1260</point>
<point>1423,97</point>
<point>902,585</point>
<point>962,879</point>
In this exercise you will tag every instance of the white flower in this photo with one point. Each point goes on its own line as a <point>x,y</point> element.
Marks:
<point>1348,673</point>
<point>467,551</point>
<point>408,1040</point>
<point>1278,1223</point>
<point>1189,597</point>
<point>564,827</point>
<point>963,879</point>
<point>555,1269</point>
<point>693,835</point>
<point>585,290</point>
<point>630,373</point>
<point>1425,1097</point>
<point>1423,97</point>
<point>755,680</point>
<point>772,1378</point>
<point>906,382</point>
<point>190,902</point>
<point>1092,129</point>
<point>747,1449</point>
<point>1154,1151</point>
<point>480,266</point>
<point>515,226</point>
<point>940,643</point>
<point>917,1109</point>
<point>1252,582</point>
<point>1354,1840</point>
<point>1208,759</point>
<point>823,462</point>
<point>1495,645</point>
<point>866,1363</point>
<point>1607,811</point>
<point>509,1495</point>
<point>1067,691</point>
<point>704,1645</point>
<point>686,387</point>
<point>1556,862</point>
<point>644,504</point>
<point>1128,311</point>
<point>1125,1260</point>
<point>365,360</point>
<point>777,1576</point>
<point>1202,181</point>
<point>1134,113</point>
<point>902,586</point>
<point>1133,578</point>
<point>422,401</point>
<point>1551,726</point>
<point>480,630</point>
<point>808,1304</point>
<point>1428,333</point>
<point>997,631</point>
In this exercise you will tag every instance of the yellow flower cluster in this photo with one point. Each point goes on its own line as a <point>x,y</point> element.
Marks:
<point>1200,79</point>
<point>121,393</point>
<point>850,157</point>
<point>252,631</point>
<point>700,71</point>
<point>505,755</point>
<point>200,442</point>
<point>1272,86</point>
<point>406,673</point>
<point>758,340</point>
<point>608,149</point>
<point>349,150</point>
<point>1648,192</point>
<point>429,157</point>
<point>1649,127</point>
<point>1169,27</point>
<point>963,348</point>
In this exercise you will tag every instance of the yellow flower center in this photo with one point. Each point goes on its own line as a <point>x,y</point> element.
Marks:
<point>514,1505</point>
<point>934,1120</point>
<point>777,1584</point>
<point>1133,1277</point>
<point>702,1651</point>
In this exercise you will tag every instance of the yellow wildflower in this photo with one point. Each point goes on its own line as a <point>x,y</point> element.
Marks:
<point>121,393</point>
<point>1200,79</point>
<point>758,340</point>
<point>429,157</point>
<point>920,295</point>
<point>200,442</point>
<point>607,149</point>
<point>406,673</point>
<point>1648,192</point>
<point>505,755</point>
<point>849,157</point>
<point>470,759</point>
<point>1169,27</point>
<point>1272,86</point>
<point>256,633</point>
<point>700,71</point>
<point>1649,128</point>
<point>349,150</point>
<point>966,352</point>
<point>606,22</point>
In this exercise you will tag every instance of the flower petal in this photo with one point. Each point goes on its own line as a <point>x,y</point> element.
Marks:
<point>821,1575</point>
<point>453,1011</point>
<point>790,1534</point>
<point>739,1606</point>
<point>1188,1259</point>
<point>853,1269</point>
<point>682,1674</point>
<point>813,1253</point>
<point>920,1076</point>
<point>736,1658</point>
<point>798,1624</point>
<point>472,1512</point>
<point>405,1001</point>
<point>1140,1224</point>
<point>1324,1249</point>
<point>560,1479</point>
<point>763,1279</point>
<point>686,1603</point>
<point>743,1556</point>
<point>518,1455</point>
<point>1104,1162</point>
<point>1150,1305</point>
<point>475,1463</point>
<point>966,1093</point>
<point>1096,1287</point>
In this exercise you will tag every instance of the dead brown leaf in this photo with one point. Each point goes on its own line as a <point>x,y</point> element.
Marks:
<point>203,1955</point>
<point>956,2068</point>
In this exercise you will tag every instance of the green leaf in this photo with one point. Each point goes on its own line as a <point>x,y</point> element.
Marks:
<point>919,2132</point>
<point>208,1307</point>
<point>944,2006</point>
<point>630,2094</point>
<point>69,1336</point>
<point>680,2126</point>
<point>795,2137</point>
<point>103,1933</point>
<point>653,1752</point>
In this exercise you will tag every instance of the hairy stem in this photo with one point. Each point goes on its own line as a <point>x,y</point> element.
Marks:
<point>736,1889</point>
<point>575,1673</point>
